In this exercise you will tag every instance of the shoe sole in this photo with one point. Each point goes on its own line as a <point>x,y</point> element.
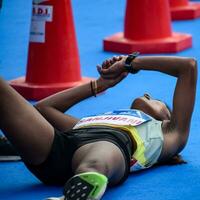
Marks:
<point>86,186</point>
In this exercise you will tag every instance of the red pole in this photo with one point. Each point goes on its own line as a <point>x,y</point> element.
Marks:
<point>183,9</point>
<point>147,29</point>
<point>158,18</point>
<point>178,3</point>
<point>53,59</point>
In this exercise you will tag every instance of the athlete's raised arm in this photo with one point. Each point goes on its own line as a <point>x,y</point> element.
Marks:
<point>176,129</point>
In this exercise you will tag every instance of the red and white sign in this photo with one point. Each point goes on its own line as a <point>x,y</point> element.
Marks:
<point>42,13</point>
<point>37,33</point>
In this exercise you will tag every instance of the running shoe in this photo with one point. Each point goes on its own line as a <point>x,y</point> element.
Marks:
<point>84,186</point>
<point>7,151</point>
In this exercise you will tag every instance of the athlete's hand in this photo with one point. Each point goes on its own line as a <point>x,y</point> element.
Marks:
<point>111,72</point>
<point>109,62</point>
<point>104,84</point>
<point>112,68</point>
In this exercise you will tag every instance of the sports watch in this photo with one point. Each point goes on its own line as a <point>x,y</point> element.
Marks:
<point>129,59</point>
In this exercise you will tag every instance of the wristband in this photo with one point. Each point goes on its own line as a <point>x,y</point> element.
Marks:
<point>93,85</point>
<point>129,68</point>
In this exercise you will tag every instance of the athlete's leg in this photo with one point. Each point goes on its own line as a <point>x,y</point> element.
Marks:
<point>24,126</point>
<point>95,165</point>
<point>102,157</point>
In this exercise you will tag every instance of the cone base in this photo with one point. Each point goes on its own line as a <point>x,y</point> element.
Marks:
<point>37,92</point>
<point>177,42</point>
<point>191,11</point>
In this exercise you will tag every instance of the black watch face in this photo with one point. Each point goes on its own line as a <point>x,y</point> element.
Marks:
<point>128,60</point>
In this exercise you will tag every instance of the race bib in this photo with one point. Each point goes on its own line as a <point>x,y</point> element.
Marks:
<point>118,117</point>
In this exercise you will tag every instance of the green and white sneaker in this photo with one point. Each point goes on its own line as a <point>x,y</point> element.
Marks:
<point>85,186</point>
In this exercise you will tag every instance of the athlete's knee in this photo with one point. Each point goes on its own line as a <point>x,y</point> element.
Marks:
<point>93,165</point>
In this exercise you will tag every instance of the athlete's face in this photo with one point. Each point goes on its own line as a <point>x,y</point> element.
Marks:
<point>152,107</point>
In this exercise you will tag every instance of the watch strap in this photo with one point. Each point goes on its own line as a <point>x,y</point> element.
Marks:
<point>128,66</point>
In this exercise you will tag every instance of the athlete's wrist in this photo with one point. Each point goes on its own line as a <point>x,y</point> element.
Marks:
<point>129,65</point>
<point>99,86</point>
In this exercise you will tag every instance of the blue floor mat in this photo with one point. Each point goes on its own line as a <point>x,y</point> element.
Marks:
<point>104,18</point>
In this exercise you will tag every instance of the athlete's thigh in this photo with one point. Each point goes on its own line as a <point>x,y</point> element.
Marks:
<point>24,126</point>
<point>103,156</point>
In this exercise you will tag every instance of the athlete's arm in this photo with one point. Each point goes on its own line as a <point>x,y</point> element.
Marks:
<point>53,107</point>
<point>185,69</point>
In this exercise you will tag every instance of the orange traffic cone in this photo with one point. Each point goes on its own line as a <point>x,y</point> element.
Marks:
<point>183,9</point>
<point>53,60</point>
<point>147,29</point>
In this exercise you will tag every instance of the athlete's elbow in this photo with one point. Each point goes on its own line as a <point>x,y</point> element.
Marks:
<point>192,66</point>
<point>183,131</point>
<point>182,143</point>
<point>190,71</point>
